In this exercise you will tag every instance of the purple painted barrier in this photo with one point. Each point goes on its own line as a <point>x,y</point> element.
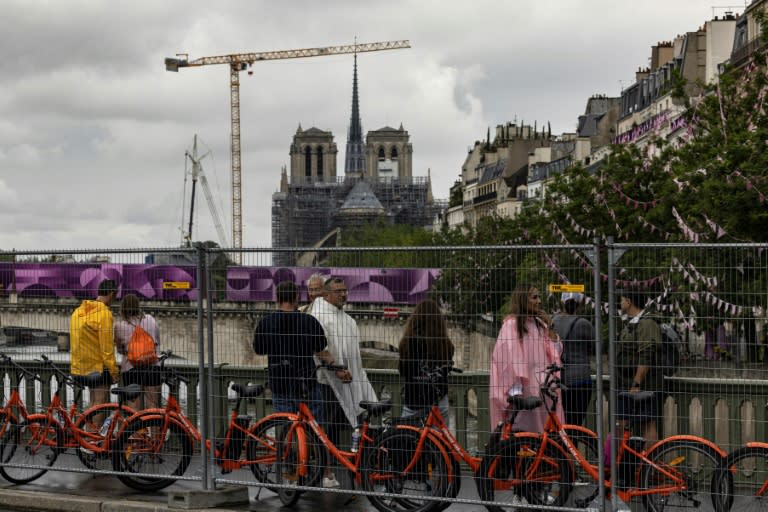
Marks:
<point>366,285</point>
<point>244,284</point>
<point>81,280</point>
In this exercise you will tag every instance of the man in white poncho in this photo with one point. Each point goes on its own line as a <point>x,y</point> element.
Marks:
<point>343,390</point>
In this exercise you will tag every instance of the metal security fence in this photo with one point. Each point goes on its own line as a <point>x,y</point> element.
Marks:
<point>207,309</point>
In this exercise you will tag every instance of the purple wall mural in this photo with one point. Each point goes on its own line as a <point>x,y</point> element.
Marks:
<point>81,280</point>
<point>244,284</point>
<point>366,285</point>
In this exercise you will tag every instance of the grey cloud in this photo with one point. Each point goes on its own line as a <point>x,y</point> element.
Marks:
<point>92,125</point>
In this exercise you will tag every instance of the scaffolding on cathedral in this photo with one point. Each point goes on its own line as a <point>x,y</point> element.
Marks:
<point>311,209</point>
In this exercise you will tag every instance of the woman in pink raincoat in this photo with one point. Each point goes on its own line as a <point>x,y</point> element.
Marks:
<point>526,345</point>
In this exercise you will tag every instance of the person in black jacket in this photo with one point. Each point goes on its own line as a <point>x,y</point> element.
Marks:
<point>425,346</point>
<point>578,337</point>
<point>289,339</point>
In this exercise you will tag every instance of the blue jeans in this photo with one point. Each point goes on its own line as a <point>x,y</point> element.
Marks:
<point>291,404</point>
<point>423,413</point>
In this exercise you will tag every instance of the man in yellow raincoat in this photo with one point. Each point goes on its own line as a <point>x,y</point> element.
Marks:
<point>91,341</point>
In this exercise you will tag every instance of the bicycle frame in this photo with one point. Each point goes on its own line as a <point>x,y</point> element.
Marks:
<point>14,408</point>
<point>173,413</point>
<point>348,459</point>
<point>76,437</point>
<point>437,424</point>
<point>555,430</point>
<point>229,464</point>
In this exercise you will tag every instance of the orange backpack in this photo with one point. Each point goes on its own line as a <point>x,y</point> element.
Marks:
<point>141,348</point>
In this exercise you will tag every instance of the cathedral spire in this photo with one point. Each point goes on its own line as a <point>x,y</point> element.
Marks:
<point>354,162</point>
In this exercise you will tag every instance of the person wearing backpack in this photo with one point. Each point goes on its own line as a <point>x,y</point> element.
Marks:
<point>578,337</point>
<point>137,338</point>
<point>636,356</point>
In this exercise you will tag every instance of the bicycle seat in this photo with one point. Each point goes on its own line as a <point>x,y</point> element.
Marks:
<point>91,380</point>
<point>639,397</point>
<point>414,421</point>
<point>525,403</point>
<point>128,392</point>
<point>248,391</point>
<point>376,408</point>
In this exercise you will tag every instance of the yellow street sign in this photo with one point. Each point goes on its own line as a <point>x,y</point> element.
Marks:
<point>175,285</point>
<point>562,288</point>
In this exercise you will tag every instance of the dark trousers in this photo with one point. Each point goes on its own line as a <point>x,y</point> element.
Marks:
<point>575,402</point>
<point>335,419</point>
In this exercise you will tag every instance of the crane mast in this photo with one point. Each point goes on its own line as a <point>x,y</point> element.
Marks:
<point>197,174</point>
<point>242,61</point>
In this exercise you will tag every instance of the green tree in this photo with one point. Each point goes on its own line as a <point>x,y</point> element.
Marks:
<point>385,235</point>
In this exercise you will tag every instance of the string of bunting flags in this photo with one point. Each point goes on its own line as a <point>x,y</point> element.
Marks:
<point>688,271</point>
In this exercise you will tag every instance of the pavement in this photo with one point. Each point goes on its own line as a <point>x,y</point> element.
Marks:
<point>76,491</point>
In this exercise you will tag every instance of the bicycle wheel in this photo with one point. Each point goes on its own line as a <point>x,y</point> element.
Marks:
<point>146,447</point>
<point>693,465</point>
<point>384,471</point>
<point>521,471</point>
<point>261,449</point>
<point>290,470</point>
<point>741,481</point>
<point>585,487</point>
<point>87,423</point>
<point>33,442</point>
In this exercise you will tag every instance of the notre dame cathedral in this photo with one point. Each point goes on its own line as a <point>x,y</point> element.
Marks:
<point>314,204</point>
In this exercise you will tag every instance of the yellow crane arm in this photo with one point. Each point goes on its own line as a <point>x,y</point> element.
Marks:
<point>239,62</point>
<point>173,64</point>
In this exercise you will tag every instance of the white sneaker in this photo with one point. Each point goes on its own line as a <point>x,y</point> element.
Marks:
<point>330,482</point>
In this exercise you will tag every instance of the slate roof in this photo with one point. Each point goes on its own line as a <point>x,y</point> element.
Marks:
<point>361,197</point>
<point>493,171</point>
<point>588,124</point>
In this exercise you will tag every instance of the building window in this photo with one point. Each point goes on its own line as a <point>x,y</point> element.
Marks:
<point>393,153</point>
<point>307,162</point>
<point>319,162</point>
<point>381,154</point>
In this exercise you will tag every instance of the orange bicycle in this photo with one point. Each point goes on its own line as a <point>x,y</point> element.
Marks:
<point>676,472</point>
<point>15,409</point>
<point>741,481</point>
<point>161,441</point>
<point>381,462</point>
<point>30,447</point>
<point>435,427</point>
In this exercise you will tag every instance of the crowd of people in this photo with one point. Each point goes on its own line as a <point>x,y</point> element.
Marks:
<point>297,340</point>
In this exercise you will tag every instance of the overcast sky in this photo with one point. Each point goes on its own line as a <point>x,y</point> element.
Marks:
<point>93,130</point>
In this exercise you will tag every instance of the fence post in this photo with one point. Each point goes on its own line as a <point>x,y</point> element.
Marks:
<point>597,284</point>
<point>202,385</point>
<point>613,256</point>
<point>209,417</point>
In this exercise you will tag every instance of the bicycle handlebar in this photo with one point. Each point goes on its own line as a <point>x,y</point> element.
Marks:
<point>552,382</point>
<point>434,375</point>
<point>18,367</point>
<point>65,377</point>
<point>169,373</point>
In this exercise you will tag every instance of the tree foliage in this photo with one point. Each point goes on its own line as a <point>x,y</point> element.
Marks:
<point>708,185</point>
<point>385,235</point>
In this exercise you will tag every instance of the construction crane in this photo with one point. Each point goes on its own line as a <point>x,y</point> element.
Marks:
<point>197,174</point>
<point>244,61</point>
